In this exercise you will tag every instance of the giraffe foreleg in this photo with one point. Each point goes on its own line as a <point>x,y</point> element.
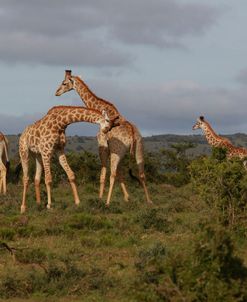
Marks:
<point>115,159</point>
<point>104,155</point>
<point>4,181</point>
<point>3,172</point>
<point>71,176</point>
<point>46,158</point>
<point>37,178</point>
<point>25,179</point>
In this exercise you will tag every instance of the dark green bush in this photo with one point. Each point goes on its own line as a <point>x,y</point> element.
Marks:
<point>222,184</point>
<point>216,273</point>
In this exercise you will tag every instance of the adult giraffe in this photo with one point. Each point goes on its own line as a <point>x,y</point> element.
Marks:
<point>123,137</point>
<point>46,137</point>
<point>4,162</point>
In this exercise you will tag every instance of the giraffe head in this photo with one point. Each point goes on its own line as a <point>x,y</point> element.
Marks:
<point>105,123</point>
<point>67,84</point>
<point>200,122</point>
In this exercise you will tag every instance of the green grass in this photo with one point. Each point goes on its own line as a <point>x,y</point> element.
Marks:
<point>128,252</point>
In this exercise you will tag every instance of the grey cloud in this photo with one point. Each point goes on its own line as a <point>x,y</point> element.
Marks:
<point>23,48</point>
<point>242,76</point>
<point>93,32</point>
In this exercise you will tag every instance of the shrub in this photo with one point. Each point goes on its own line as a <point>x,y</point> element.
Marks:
<point>222,184</point>
<point>216,273</point>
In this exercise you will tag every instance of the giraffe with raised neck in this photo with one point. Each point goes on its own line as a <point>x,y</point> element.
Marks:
<point>47,136</point>
<point>217,141</point>
<point>123,137</point>
<point>213,139</point>
<point>4,162</point>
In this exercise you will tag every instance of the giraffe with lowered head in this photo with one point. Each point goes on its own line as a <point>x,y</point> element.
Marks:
<point>4,162</point>
<point>218,141</point>
<point>47,136</point>
<point>123,137</point>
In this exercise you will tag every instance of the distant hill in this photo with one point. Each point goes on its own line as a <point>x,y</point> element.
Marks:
<point>151,143</point>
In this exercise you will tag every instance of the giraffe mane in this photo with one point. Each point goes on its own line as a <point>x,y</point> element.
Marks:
<point>98,98</point>
<point>72,107</point>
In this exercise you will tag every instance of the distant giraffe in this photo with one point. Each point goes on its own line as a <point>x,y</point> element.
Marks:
<point>123,137</point>
<point>47,136</point>
<point>4,162</point>
<point>218,141</point>
<point>213,139</point>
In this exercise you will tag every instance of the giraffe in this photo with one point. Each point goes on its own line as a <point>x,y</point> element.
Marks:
<point>123,136</point>
<point>212,138</point>
<point>218,141</point>
<point>47,136</point>
<point>4,162</point>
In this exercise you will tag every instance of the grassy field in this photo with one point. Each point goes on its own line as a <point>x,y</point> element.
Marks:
<point>128,252</point>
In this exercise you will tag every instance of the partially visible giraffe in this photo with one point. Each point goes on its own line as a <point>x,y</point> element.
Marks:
<point>4,162</point>
<point>123,137</point>
<point>47,136</point>
<point>213,139</point>
<point>218,141</point>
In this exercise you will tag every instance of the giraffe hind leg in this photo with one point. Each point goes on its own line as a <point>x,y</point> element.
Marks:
<point>121,179</point>
<point>140,164</point>
<point>71,176</point>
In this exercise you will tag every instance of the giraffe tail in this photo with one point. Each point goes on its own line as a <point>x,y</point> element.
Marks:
<point>133,176</point>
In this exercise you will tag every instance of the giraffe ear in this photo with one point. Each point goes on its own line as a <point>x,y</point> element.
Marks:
<point>201,118</point>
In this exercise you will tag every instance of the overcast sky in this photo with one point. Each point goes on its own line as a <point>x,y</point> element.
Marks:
<point>161,62</point>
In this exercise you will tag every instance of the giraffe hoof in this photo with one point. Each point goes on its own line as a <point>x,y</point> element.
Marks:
<point>48,206</point>
<point>23,209</point>
<point>77,202</point>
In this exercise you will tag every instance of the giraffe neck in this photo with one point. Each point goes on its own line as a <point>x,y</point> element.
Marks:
<point>92,101</point>
<point>212,138</point>
<point>67,115</point>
